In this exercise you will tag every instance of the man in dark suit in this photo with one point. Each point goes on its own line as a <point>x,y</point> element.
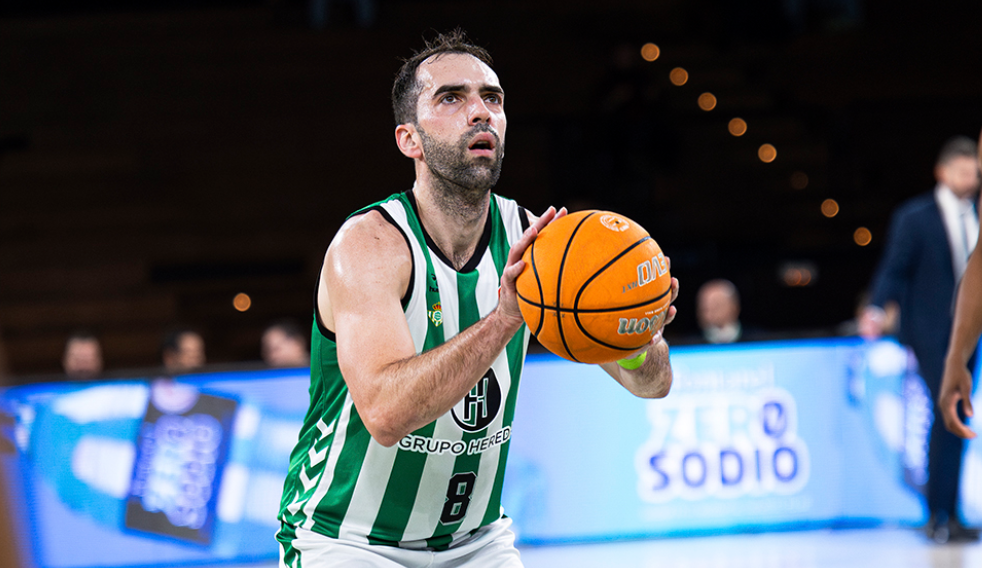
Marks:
<point>930,239</point>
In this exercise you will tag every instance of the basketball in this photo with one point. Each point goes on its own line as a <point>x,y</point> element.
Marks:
<point>595,287</point>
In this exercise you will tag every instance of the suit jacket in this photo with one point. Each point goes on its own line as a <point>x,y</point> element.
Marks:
<point>917,272</point>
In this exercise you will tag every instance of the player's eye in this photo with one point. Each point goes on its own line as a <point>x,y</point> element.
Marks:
<point>449,98</point>
<point>493,98</point>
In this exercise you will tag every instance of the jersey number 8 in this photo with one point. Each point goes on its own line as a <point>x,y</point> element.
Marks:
<point>458,497</point>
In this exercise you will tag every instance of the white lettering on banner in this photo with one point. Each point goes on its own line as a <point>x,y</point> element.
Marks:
<point>714,380</point>
<point>722,445</point>
<point>437,446</point>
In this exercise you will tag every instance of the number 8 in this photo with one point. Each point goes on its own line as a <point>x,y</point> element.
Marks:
<point>458,497</point>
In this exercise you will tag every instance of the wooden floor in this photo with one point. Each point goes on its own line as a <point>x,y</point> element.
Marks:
<point>856,548</point>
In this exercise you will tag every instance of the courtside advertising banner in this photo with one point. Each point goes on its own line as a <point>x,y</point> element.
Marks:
<point>761,436</point>
<point>752,437</point>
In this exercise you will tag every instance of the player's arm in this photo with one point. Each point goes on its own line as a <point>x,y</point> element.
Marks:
<point>396,391</point>
<point>653,379</point>
<point>956,383</point>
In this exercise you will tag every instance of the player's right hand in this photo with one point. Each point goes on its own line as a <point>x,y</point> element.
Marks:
<point>956,386</point>
<point>507,294</point>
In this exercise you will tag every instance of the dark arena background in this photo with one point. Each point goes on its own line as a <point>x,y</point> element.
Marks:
<point>160,158</point>
<point>188,163</point>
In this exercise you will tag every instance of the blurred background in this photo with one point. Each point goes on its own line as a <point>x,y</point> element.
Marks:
<point>188,162</point>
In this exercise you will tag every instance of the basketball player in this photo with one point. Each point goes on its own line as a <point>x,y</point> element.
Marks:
<point>956,383</point>
<point>417,351</point>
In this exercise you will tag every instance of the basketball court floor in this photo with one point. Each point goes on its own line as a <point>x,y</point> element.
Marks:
<point>866,548</point>
<point>852,548</point>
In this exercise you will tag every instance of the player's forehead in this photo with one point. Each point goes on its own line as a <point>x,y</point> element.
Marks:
<point>461,69</point>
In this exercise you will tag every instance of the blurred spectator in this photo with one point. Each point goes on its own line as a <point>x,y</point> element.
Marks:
<point>82,359</point>
<point>718,311</point>
<point>182,350</point>
<point>931,237</point>
<point>285,345</point>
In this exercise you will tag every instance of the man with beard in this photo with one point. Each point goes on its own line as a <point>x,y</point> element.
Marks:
<point>418,345</point>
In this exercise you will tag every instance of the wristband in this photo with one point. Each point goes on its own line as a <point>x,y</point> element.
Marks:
<point>633,362</point>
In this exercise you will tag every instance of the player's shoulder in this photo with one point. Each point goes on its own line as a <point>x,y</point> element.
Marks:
<point>369,234</point>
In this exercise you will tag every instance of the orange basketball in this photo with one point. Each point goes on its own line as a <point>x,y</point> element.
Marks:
<point>595,287</point>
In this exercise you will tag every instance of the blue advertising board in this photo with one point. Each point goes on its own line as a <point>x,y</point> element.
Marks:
<point>752,437</point>
<point>762,436</point>
<point>155,473</point>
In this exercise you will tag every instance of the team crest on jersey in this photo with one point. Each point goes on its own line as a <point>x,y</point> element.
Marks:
<point>436,314</point>
<point>480,407</point>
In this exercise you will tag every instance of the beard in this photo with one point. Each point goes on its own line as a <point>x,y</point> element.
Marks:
<point>458,177</point>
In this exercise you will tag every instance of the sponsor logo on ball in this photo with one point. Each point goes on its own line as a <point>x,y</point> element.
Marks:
<point>637,326</point>
<point>614,223</point>
<point>648,271</point>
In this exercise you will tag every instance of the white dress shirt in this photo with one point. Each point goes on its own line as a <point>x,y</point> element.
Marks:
<point>961,223</point>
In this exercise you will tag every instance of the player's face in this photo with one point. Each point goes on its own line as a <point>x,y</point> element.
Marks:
<point>461,120</point>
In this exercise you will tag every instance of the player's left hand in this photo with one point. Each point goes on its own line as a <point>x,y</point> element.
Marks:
<point>671,308</point>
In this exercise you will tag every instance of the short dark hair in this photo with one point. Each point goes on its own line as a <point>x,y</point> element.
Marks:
<point>81,335</point>
<point>171,340</point>
<point>406,89</point>
<point>957,147</point>
<point>290,328</point>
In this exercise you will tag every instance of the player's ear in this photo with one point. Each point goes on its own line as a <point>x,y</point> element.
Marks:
<point>407,138</point>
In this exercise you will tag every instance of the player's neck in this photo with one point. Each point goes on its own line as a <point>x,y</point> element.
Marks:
<point>454,220</point>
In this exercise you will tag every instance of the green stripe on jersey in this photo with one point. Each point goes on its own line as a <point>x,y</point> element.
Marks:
<point>466,463</point>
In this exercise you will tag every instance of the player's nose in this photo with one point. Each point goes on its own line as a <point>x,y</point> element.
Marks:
<point>479,112</point>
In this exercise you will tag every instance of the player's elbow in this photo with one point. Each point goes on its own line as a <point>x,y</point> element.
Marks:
<point>383,427</point>
<point>385,439</point>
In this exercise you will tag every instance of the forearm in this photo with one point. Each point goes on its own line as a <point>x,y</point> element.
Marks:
<point>968,314</point>
<point>653,379</point>
<point>417,390</point>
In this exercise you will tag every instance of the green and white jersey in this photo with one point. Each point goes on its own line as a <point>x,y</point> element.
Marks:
<point>443,481</point>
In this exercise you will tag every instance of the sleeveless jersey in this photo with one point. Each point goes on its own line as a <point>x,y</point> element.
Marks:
<point>442,482</point>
